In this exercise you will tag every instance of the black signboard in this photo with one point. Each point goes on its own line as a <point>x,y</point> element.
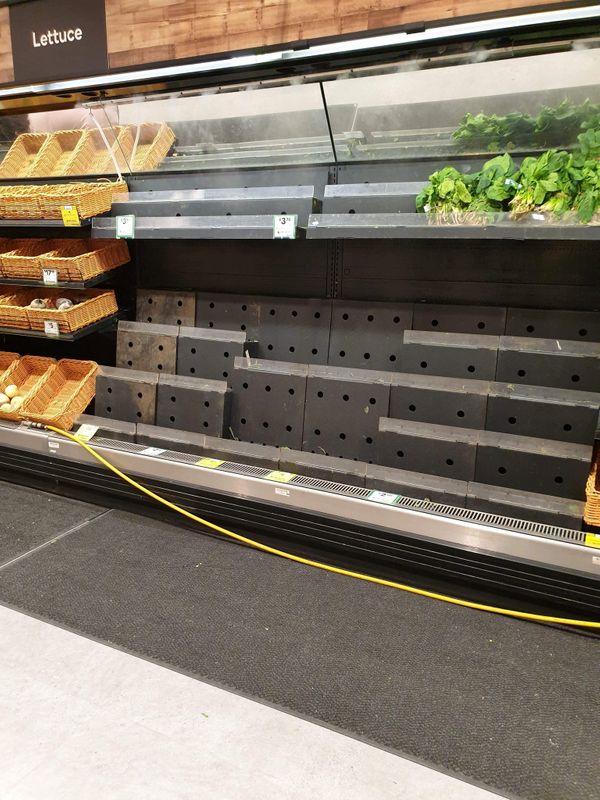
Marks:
<point>58,39</point>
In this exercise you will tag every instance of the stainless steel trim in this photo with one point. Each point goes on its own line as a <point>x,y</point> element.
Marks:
<point>400,39</point>
<point>433,523</point>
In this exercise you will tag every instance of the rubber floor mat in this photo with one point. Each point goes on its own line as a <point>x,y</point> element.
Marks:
<point>508,704</point>
<point>29,518</point>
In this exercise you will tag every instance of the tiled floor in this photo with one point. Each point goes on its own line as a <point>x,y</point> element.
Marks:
<point>82,720</point>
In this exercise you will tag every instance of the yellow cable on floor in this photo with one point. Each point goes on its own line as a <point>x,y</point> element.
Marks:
<point>317,564</point>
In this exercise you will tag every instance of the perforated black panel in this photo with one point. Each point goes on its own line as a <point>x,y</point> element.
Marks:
<point>268,400</point>
<point>368,335</point>
<point>343,407</point>
<point>166,308</point>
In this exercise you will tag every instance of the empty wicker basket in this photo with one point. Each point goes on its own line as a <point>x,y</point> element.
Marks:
<point>21,157</point>
<point>6,361</point>
<point>63,395</point>
<point>23,262</point>
<point>153,142</point>
<point>82,259</point>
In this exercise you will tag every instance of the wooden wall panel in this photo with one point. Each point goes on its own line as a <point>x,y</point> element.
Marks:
<point>146,31</point>
<point>6,63</point>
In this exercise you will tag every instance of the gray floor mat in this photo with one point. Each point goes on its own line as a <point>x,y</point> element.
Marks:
<point>29,518</point>
<point>508,704</point>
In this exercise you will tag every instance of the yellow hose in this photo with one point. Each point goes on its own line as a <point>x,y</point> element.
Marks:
<point>317,564</point>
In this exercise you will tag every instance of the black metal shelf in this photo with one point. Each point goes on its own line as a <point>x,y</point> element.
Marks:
<point>105,276</point>
<point>96,327</point>
<point>392,226</point>
<point>41,223</point>
<point>209,227</point>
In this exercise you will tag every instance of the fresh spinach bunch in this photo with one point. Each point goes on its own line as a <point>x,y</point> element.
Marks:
<point>559,125</point>
<point>587,202</point>
<point>495,132</point>
<point>588,145</point>
<point>445,193</point>
<point>495,183</point>
<point>553,126</point>
<point>548,182</point>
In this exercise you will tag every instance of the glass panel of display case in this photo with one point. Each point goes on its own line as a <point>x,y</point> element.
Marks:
<point>60,143</point>
<point>239,127</point>
<point>481,103</point>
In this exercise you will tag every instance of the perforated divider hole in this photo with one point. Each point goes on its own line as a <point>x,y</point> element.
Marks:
<point>126,397</point>
<point>149,347</point>
<point>294,330</point>
<point>201,407</point>
<point>166,308</point>
<point>368,335</point>
<point>459,319</point>
<point>342,415</point>
<point>268,403</point>
<point>582,326</point>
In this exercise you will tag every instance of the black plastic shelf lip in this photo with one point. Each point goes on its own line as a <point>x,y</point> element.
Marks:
<point>388,226</point>
<point>104,276</point>
<point>240,227</point>
<point>40,223</point>
<point>96,327</point>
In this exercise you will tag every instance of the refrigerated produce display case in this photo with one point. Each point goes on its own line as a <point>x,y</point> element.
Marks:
<point>363,310</point>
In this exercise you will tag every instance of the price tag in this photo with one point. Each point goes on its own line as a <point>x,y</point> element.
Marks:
<point>280,477</point>
<point>152,451</point>
<point>51,328</point>
<point>70,216</point>
<point>50,277</point>
<point>87,432</point>
<point>383,497</point>
<point>209,463</point>
<point>125,226</point>
<point>284,226</point>
<point>592,540</point>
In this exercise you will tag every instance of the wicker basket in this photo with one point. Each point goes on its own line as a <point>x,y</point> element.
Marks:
<point>23,261</point>
<point>82,259</point>
<point>21,202</point>
<point>92,305</point>
<point>89,198</point>
<point>63,395</point>
<point>120,140</point>
<point>7,246</point>
<point>22,154</point>
<point>13,309</point>
<point>6,361</point>
<point>58,154</point>
<point>27,374</point>
<point>154,141</point>
<point>591,514</point>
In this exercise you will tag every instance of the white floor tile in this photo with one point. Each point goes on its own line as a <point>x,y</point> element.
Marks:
<point>81,720</point>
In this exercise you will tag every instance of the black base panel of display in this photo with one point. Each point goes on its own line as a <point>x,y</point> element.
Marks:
<point>497,702</point>
<point>389,554</point>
